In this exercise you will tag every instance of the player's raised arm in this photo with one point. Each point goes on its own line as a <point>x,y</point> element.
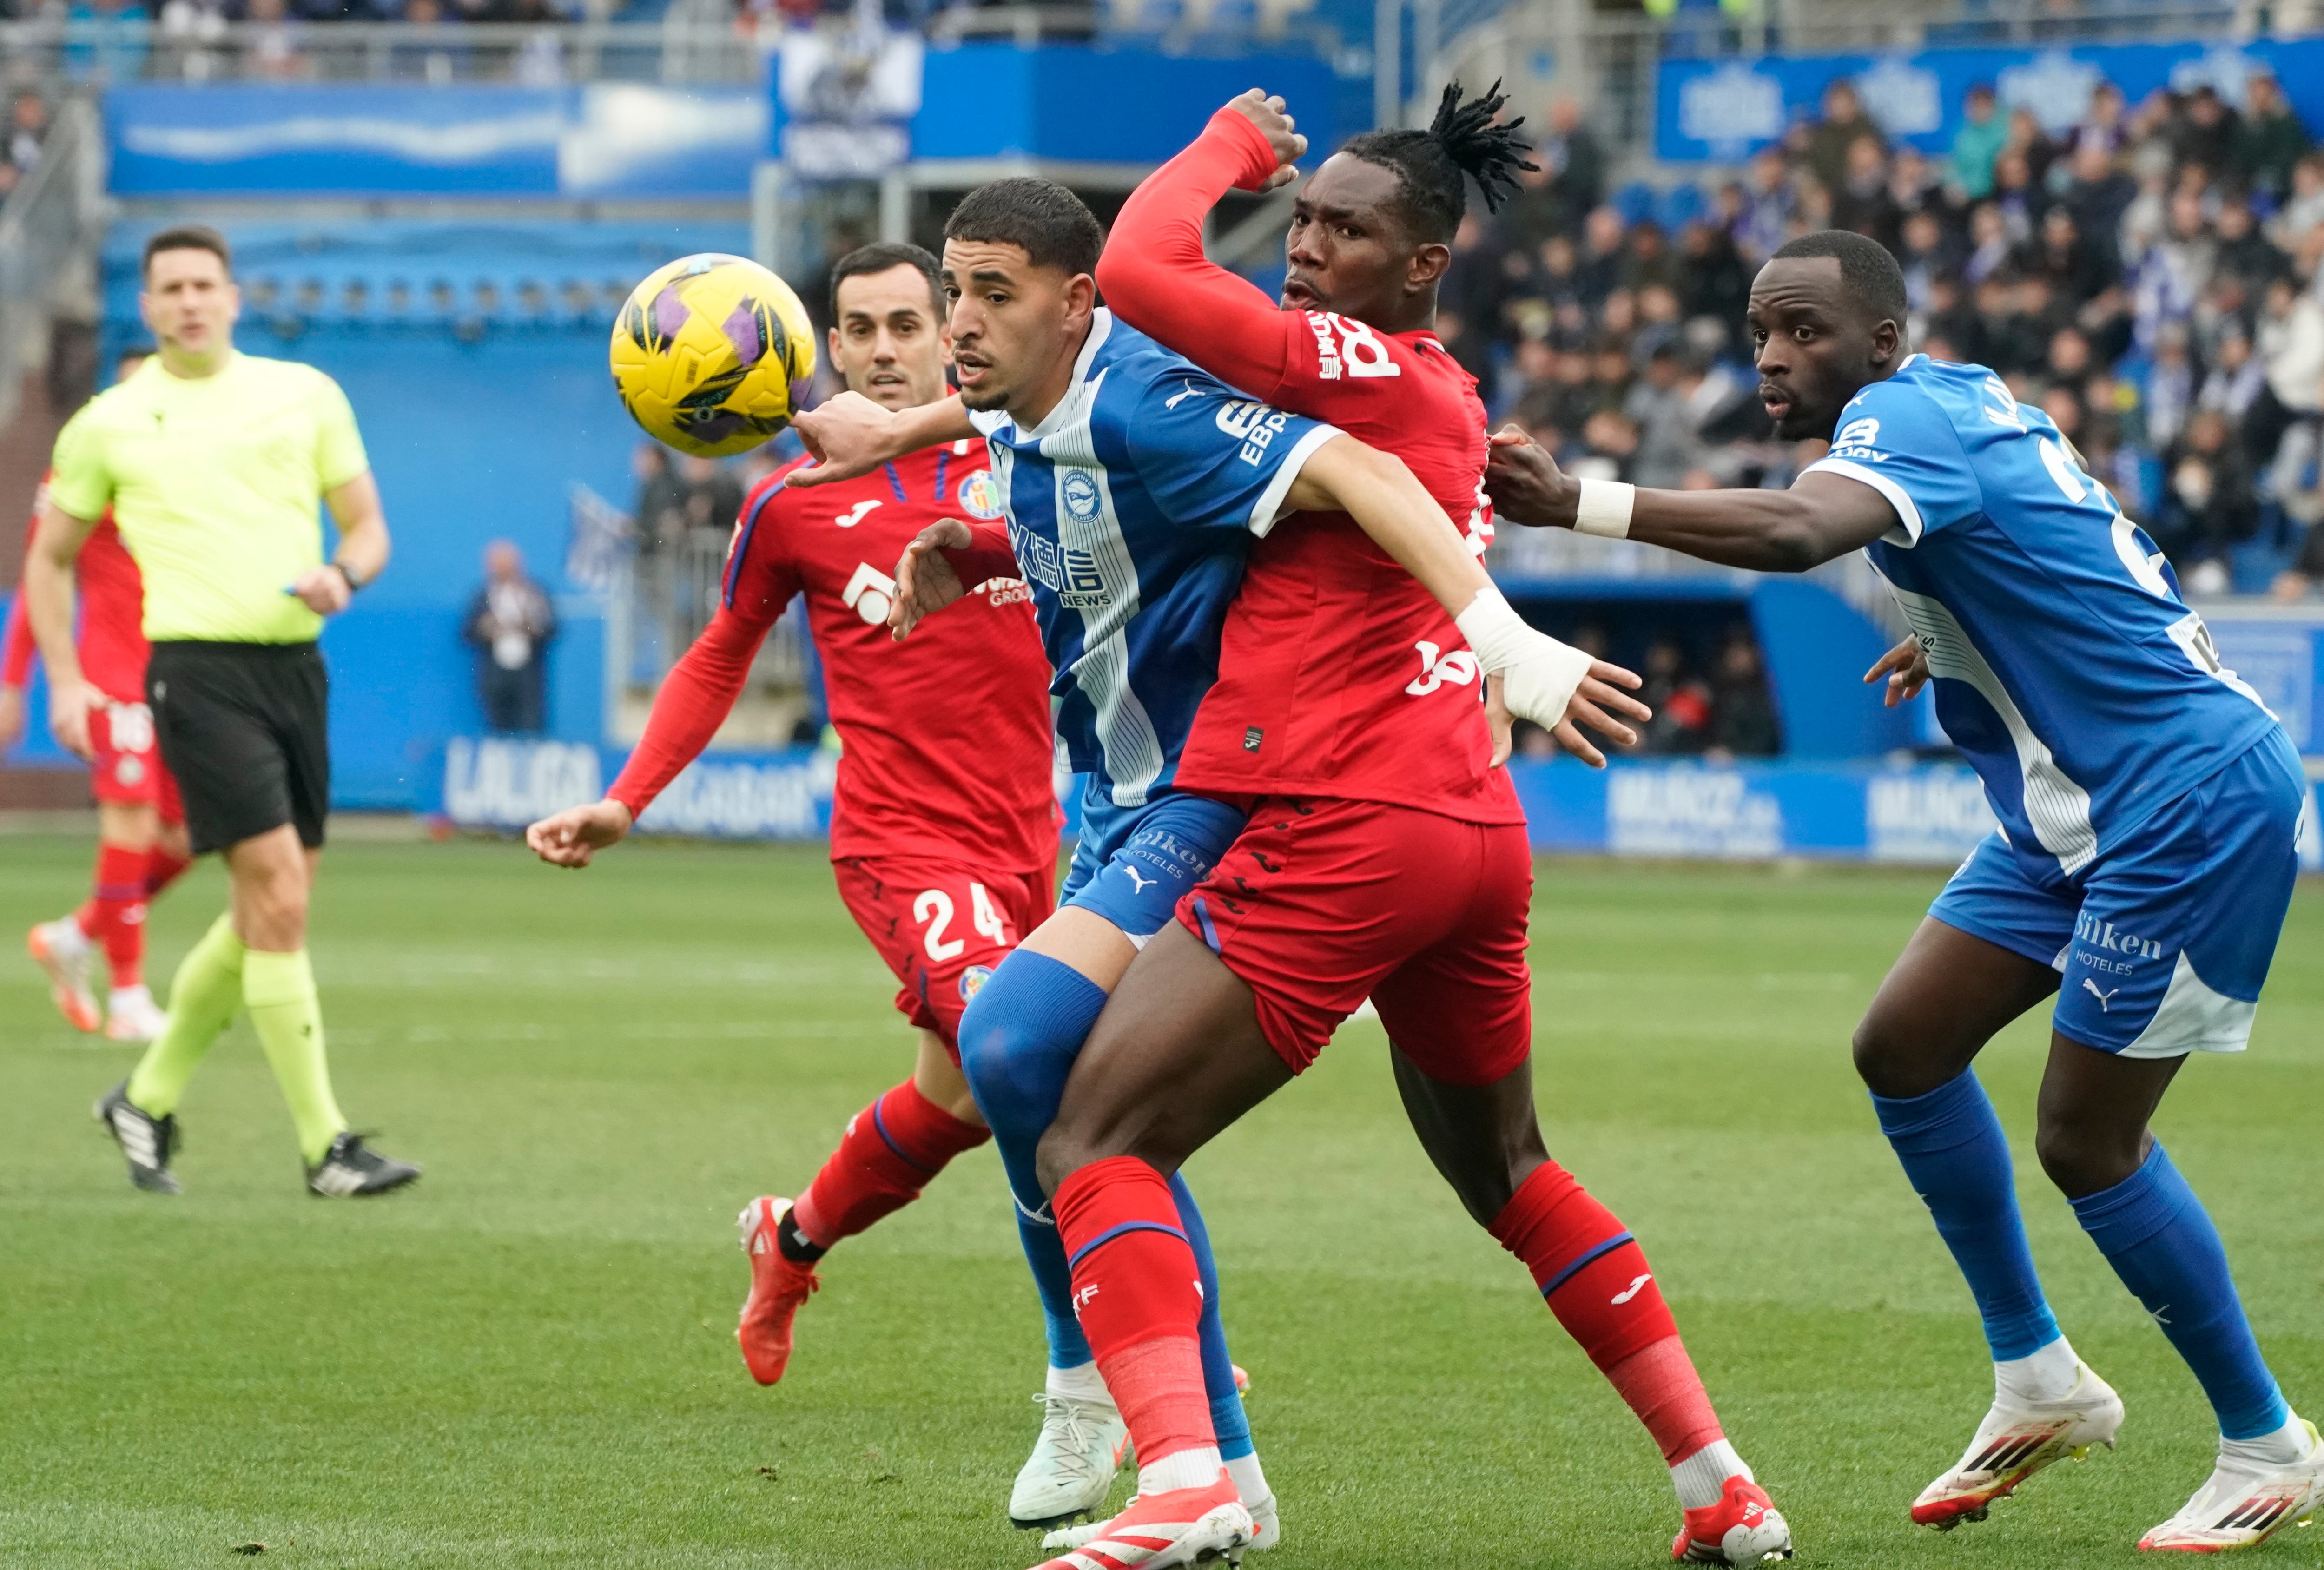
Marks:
<point>1156,275</point>
<point>1821,517</point>
<point>849,435</point>
<point>1556,686</point>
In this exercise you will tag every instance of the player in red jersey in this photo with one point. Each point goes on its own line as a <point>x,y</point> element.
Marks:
<point>1386,854</point>
<point>944,821</point>
<point>140,829</point>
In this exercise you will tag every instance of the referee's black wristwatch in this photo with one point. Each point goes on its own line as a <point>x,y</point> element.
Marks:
<point>354,584</point>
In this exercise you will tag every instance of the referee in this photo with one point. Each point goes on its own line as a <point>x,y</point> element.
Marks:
<point>214,462</point>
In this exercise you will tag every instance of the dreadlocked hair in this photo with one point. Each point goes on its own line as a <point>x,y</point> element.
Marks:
<point>1461,141</point>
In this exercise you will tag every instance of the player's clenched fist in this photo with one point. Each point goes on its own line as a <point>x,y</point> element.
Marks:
<point>1280,129</point>
<point>926,582</point>
<point>571,838</point>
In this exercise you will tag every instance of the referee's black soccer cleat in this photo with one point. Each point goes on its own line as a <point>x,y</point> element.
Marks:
<point>351,1169</point>
<point>147,1141</point>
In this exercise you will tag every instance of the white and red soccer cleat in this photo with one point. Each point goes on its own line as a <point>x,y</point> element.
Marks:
<point>1743,1527</point>
<point>1266,1528</point>
<point>59,948</point>
<point>2018,1438</point>
<point>2243,1503</point>
<point>132,1015</point>
<point>777,1288</point>
<point>1188,1526</point>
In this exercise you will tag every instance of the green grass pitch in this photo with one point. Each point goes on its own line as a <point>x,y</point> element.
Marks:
<point>527,1360</point>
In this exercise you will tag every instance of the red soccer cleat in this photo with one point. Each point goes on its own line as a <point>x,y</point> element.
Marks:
<point>1742,1528</point>
<point>777,1288</point>
<point>1188,1526</point>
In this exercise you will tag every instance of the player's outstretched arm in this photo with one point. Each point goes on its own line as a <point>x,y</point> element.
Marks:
<point>849,435</point>
<point>1556,686</point>
<point>48,606</point>
<point>1821,517</point>
<point>695,700</point>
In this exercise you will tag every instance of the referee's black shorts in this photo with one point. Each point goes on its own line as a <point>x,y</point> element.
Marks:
<point>241,725</point>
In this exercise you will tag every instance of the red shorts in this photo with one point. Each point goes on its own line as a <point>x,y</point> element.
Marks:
<point>128,767</point>
<point>1319,904</point>
<point>941,928</point>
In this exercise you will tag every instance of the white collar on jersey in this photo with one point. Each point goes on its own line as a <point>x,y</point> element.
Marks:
<point>1070,409</point>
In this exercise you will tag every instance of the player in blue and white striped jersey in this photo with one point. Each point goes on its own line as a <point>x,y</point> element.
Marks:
<point>1133,484</point>
<point>2149,806</point>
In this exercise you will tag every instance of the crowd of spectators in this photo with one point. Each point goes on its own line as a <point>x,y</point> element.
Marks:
<point>2148,276</point>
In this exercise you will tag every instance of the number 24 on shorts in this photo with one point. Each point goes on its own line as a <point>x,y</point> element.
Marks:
<point>933,909</point>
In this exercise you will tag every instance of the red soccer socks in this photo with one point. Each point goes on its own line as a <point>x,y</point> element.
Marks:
<point>1661,1386</point>
<point>114,912</point>
<point>162,868</point>
<point>1595,1279</point>
<point>1590,1271</point>
<point>1138,1293</point>
<point>890,1152</point>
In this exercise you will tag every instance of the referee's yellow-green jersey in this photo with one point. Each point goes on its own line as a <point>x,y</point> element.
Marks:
<point>217,486</point>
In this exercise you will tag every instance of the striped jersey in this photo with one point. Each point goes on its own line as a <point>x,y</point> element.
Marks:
<point>1131,508</point>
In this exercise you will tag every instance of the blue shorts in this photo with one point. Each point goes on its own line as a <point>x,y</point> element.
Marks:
<point>2163,941</point>
<point>1133,863</point>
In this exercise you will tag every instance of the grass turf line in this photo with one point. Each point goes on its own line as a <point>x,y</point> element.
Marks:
<point>527,1361</point>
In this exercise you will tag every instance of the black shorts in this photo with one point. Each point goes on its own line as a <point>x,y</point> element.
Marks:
<point>241,725</point>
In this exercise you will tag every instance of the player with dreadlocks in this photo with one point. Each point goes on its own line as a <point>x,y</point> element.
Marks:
<point>1386,854</point>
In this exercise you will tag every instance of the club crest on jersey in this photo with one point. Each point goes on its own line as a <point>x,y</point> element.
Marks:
<point>973,980</point>
<point>980,496</point>
<point>1079,489</point>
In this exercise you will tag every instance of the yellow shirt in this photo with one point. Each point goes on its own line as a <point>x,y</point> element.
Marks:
<point>216,486</point>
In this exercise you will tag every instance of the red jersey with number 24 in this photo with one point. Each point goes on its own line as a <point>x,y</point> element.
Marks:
<point>1339,675</point>
<point>945,739</point>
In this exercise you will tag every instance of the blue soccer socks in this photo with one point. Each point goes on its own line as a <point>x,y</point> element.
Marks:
<point>2161,1241</point>
<point>1958,1161</point>
<point>1018,1038</point>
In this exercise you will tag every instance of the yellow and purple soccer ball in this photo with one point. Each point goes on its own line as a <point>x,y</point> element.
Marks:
<point>712,354</point>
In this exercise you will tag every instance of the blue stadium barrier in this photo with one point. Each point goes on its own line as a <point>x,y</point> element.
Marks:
<point>606,139</point>
<point>1916,815</point>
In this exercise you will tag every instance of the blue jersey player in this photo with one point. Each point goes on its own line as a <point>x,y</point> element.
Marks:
<point>2149,805</point>
<point>1132,484</point>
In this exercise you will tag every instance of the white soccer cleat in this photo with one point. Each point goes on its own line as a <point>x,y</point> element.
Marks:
<point>61,948</point>
<point>133,1015</point>
<point>1188,1526</point>
<point>1071,1467</point>
<point>1266,1528</point>
<point>2243,1503</point>
<point>2017,1439</point>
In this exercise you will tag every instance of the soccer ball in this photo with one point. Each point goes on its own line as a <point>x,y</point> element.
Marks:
<point>712,354</point>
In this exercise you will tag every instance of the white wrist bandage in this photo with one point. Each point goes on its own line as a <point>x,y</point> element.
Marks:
<point>1538,673</point>
<point>1605,509</point>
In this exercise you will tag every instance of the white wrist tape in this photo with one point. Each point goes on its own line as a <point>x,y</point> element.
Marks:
<point>1605,509</point>
<point>1538,673</point>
